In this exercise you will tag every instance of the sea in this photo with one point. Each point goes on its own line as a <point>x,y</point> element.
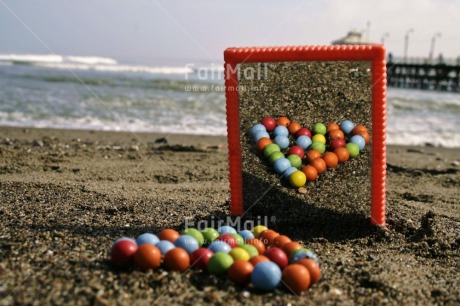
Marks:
<point>100,93</point>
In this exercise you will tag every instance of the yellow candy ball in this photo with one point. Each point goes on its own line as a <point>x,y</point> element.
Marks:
<point>258,229</point>
<point>239,253</point>
<point>319,138</point>
<point>298,179</point>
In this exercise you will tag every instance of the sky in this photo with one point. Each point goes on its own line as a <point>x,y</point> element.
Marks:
<point>171,32</point>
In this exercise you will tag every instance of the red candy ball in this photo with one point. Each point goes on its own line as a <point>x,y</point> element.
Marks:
<point>297,150</point>
<point>278,256</point>
<point>303,132</point>
<point>228,239</point>
<point>200,258</point>
<point>336,143</point>
<point>269,123</point>
<point>123,252</point>
<point>240,272</point>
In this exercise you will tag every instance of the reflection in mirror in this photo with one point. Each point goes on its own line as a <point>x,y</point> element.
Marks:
<point>305,92</point>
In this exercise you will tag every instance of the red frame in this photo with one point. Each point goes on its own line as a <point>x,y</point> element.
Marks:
<point>373,53</point>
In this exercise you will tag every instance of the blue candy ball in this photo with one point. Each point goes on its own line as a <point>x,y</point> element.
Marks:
<point>246,234</point>
<point>188,243</point>
<point>301,254</point>
<point>147,238</point>
<point>347,126</point>
<point>165,246</point>
<point>266,275</point>
<point>220,246</point>
<point>281,165</point>
<point>359,141</point>
<point>226,229</point>
<point>282,142</point>
<point>304,142</point>
<point>287,173</point>
<point>281,131</point>
<point>261,134</point>
<point>257,128</point>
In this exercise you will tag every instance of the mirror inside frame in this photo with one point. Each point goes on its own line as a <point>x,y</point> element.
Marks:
<point>307,93</point>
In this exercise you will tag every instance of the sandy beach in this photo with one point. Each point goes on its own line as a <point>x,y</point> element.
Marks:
<point>67,195</point>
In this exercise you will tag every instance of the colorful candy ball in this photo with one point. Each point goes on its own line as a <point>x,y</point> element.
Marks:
<point>239,254</point>
<point>278,256</point>
<point>258,229</point>
<point>209,235</point>
<point>147,257</point>
<point>195,234</point>
<point>296,278</point>
<point>199,259</point>
<point>304,142</point>
<point>187,242</point>
<point>318,146</point>
<point>240,272</point>
<point>295,161</point>
<point>300,254</point>
<point>281,165</point>
<point>319,128</point>
<point>220,246</point>
<point>147,238</point>
<point>239,239</point>
<point>287,173</point>
<point>303,132</point>
<point>269,149</point>
<point>246,234</point>
<point>353,149</point>
<point>226,229</point>
<point>260,135</point>
<point>359,141</point>
<point>168,234</point>
<point>165,246</point>
<point>347,126</point>
<point>337,143</point>
<point>219,263</point>
<point>252,250</point>
<point>282,141</point>
<point>297,150</point>
<point>122,252</point>
<point>319,138</point>
<point>313,268</point>
<point>281,130</point>
<point>177,259</point>
<point>257,128</point>
<point>275,156</point>
<point>297,179</point>
<point>228,239</point>
<point>269,123</point>
<point>266,276</point>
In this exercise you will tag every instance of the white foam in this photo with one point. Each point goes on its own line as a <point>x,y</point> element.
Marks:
<point>91,60</point>
<point>31,58</point>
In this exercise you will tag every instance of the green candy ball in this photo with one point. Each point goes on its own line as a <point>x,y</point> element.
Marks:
<point>219,263</point>
<point>239,239</point>
<point>195,234</point>
<point>269,149</point>
<point>318,146</point>
<point>353,149</point>
<point>252,250</point>
<point>319,128</point>
<point>210,234</point>
<point>295,160</point>
<point>275,156</point>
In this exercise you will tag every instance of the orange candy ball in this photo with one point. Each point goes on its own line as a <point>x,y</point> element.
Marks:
<point>290,247</point>
<point>268,236</point>
<point>310,172</point>
<point>312,154</point>
<point>258,244</point>
<point>331,159</point>
<point>294,127</point>
<point>280,241</point>
<point>336,134</point>
<point>168,234</point>
<point>358,129</point>
<point>177,259</point>
<point>342,154</point>
<point>258,258</point>
<point>147,257</point>
<point>313,268</point>
<point>319,164</point>
<point>263,142</point>
<point>296,278</point>
<point>240,272</point>
<point>332,126</point>
<point>284,121</point>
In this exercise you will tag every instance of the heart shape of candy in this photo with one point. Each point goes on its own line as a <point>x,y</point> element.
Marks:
<point>300,154</point>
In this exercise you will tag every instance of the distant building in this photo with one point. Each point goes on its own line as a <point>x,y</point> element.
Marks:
<point>353,38</point>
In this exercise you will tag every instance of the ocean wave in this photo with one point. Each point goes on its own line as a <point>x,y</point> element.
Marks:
<point>89,63</point>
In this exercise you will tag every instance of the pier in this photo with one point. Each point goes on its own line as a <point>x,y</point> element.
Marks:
<point>424,73</point>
